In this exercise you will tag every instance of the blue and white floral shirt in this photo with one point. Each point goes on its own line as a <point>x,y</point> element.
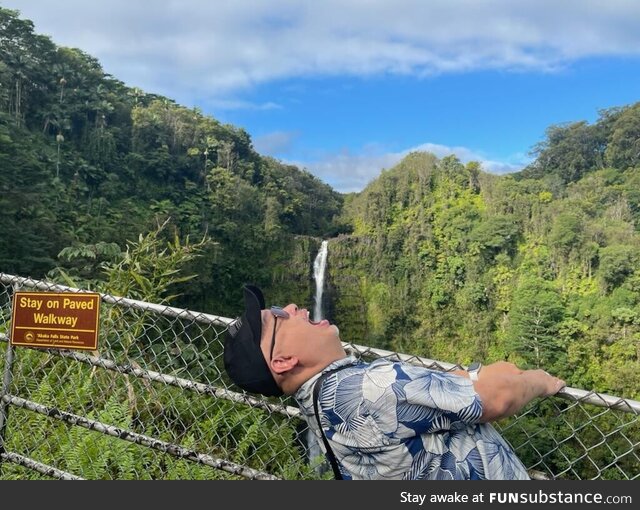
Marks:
<point>389,420</point>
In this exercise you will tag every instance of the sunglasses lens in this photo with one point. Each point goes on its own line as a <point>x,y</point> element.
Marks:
<point>279,312</point>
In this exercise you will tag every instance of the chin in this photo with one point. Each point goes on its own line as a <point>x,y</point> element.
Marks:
<point>335,330</point>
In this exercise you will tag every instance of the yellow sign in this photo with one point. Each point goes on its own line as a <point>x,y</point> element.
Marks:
<point>62,321</point>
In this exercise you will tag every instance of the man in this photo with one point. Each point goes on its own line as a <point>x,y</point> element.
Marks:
<point>383,420</point>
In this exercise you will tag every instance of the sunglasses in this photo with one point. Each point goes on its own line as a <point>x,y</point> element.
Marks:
<point>278,313</point>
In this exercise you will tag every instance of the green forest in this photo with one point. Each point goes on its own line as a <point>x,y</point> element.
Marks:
<point>434,257</point>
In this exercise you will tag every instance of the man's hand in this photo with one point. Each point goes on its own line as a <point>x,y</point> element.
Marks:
<point>551,384</point>
<point>505,389</point>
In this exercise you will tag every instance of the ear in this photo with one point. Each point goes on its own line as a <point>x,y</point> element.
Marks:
<point>282,364</point>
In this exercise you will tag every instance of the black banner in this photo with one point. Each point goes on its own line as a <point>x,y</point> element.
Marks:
<point>412,495</point>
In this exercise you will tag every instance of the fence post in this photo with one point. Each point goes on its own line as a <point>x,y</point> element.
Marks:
<point>7,378</point>
<point>4,406</point>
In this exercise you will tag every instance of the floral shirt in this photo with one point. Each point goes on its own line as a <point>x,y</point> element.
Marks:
<point>390,420</point>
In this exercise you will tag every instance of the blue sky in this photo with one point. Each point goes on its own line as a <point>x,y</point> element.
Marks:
<point>345,88</point>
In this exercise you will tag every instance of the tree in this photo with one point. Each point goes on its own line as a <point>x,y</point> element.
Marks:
<point>566,233</point>
<point>623,148</point>
<point>495,234</point>
<point>616,263</point>
<point>569,150</point>
<point>534,319</point>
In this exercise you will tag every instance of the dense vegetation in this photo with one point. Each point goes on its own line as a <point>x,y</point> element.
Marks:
<point>87,163</point>
<point>540,267</point>
<point>434,257</point>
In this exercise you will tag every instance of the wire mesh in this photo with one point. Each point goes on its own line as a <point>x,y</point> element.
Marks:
<point>153,402</point>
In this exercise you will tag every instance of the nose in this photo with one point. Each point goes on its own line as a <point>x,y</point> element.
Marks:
<point>291,308</point>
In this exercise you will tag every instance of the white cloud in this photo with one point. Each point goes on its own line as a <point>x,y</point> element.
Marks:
<point>237,104</point>
<point>207,49</point>
<point>278,142</point>
<point>514,163</point>
<point>347,172</point>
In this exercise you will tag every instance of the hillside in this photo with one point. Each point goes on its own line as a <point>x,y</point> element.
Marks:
<point>87,163</point>
<point>455,264</point>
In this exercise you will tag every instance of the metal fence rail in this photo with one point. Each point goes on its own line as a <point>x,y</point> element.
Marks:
<point>154,403</point>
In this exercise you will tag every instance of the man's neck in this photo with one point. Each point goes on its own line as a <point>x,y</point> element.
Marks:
<point>300,375</point>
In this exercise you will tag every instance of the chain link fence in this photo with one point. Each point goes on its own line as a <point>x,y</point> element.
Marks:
<point>153,402</point>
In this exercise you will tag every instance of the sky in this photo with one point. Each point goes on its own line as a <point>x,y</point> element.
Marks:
<point>346,88</point>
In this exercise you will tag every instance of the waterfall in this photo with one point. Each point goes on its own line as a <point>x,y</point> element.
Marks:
<point>319,266</point>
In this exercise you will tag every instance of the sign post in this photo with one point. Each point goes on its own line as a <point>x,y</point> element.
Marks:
<point>55,320</point>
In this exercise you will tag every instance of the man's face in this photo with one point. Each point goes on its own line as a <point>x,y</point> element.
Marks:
<point>311,342</point>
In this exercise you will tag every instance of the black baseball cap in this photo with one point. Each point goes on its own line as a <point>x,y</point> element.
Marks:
<point>243,358</point>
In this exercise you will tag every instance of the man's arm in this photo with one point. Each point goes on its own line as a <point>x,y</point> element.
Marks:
<point>505,389</point>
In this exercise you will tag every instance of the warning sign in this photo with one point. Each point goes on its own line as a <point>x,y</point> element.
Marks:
<point>63,321</point>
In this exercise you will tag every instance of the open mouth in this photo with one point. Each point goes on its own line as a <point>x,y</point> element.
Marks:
<point>322,322</point>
